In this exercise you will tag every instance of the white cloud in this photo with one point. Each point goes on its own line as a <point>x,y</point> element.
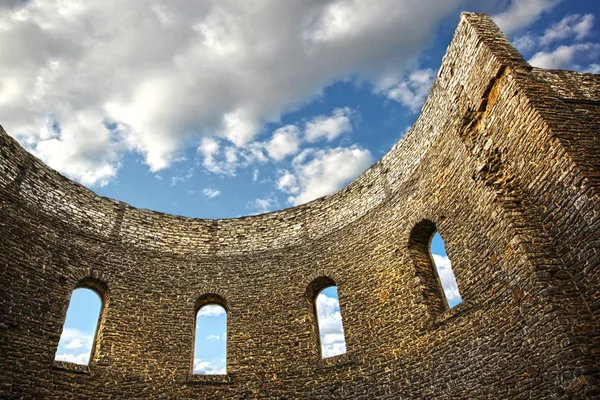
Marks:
<point>209,147</point>
<point>332,338</point>
<point>80,342</point>
<point>333,349</point>
<point>82,147</point>
<point>74,344</point>
<point>240,127</point>
<point>444,268</point>
<point>83,358</point>
<point>263,205</point>
<point>211,310</point>
<point>208,368</point>
<point>593,68</point>
<point>182,178</point>
<point>577,26</point>
<point>521,13</point>
<point>284,142</point>
<point>74,338</point>
<point>211,193</point>
<point>218,159</point>
<point>318,173</point>
<point>212,338</point>
<point>329,127</point>
<point>221,158</point>
<point>413,91</point>
<point>330,326</point>
<point>563,57</point>
<point>525,43</point>
<point>288,183</point>
<point>170,72</point>
<point>330,319</point>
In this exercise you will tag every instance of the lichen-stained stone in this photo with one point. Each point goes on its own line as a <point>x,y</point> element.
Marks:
<point>504,161</point>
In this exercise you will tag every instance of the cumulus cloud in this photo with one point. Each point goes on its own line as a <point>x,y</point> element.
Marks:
<point>593,68</point>
<point>211,310</point>
<point>212,338</point>
<point>563,57</point>
<point>329,127</point>
<point>572,26</point>
<point>284,142</point>
<point>76,338</point>
<point>210,150</point>
<point>263,205</point>
<point>317,173</point>
<point>208,368</point>
<point>521,13</point>
<point>149,77</point>
<point>211,193</point>
<point>78,343</point>
<point>74,344</point>
<point>330,326</point>
<point>413,91</point>
<point>288,183</point>
<point>444,268</point>
<point>525,43</point>
<point>182,178</point>
<point>221,158</point>
<point>575,27</point>
<point>82,358</point>
<point>82,147</point>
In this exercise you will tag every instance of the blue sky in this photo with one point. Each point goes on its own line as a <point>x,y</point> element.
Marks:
<point>203,111</point>
<point>443,267</point>
<point>76,341</point>
<point>224,108</point>
<point>210,344</point>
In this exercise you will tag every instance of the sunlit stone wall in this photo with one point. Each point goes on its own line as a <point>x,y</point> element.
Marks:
<point>504,162</point>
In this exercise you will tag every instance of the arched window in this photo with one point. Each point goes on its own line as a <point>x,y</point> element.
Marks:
<point>325,315</point>
<point>331,330</point>
<point>444,270</point>
<point>80,329</point>
<point>210,347</point>
<point>433,269</point>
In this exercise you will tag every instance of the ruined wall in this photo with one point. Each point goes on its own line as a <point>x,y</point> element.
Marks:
<point>503,161</point>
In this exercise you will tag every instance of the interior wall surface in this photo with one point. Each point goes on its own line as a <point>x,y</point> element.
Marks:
<point>504,161</point>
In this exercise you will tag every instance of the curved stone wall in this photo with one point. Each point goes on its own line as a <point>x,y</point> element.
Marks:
<point>503,161</point>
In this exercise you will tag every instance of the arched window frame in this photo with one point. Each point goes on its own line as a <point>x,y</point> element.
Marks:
<point>206,300</point>
<point>312,291</point>
<point>101,289</point>
<point>419,247</point>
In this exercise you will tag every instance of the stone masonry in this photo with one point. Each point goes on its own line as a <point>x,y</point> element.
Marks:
<point>504,161</point>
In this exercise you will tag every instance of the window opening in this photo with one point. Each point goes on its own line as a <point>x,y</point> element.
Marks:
<point>331,330</point>
<point>443,267</point>
<point>80,327</point>
<point>210,348</point>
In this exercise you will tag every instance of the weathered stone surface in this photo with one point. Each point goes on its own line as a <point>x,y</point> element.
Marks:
<point>504,161</point>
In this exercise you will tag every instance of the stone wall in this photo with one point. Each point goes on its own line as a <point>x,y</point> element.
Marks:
<point>504,161</point>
